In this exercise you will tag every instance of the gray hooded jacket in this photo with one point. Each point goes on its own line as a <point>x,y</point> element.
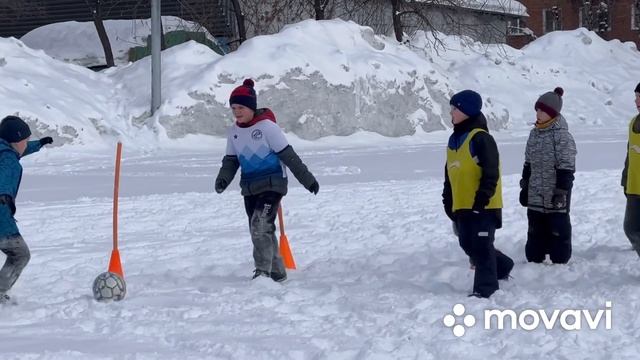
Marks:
<point>550,157</point>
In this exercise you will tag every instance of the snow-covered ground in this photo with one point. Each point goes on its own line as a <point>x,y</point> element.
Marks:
<point>378,266</point>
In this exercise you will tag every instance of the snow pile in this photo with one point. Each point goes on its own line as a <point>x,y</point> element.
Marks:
<point>321,78</point>
<point>598,76</point>
<point>68,102</point>
<point>324,78</point>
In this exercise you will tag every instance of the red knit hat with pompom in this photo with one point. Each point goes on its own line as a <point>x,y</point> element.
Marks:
<point>244,95</point>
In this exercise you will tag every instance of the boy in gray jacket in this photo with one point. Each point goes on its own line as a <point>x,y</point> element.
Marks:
<point>547,180</point>
<point>257,145</point>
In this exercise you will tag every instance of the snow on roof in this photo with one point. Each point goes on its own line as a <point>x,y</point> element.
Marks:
<point>511,7</point>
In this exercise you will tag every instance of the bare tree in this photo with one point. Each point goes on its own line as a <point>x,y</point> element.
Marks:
<point>373,13</point>
<point>269,16</point>
<point>596,14</point>
<point>476,21</point>
<point>319,7</point>
<point>239,15</point>
<point>396,16</point>
<point>96,11</point>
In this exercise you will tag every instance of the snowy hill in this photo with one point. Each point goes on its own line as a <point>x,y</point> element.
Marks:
<point>321,79</point>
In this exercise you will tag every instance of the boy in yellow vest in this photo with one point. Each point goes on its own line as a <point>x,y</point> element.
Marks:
<point>631,180</point>
<point>472,195</point>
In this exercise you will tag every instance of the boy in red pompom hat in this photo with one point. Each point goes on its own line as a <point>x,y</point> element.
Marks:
<point>257,145</point>
<point>547,180</point>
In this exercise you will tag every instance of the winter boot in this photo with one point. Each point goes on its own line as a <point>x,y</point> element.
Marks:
<point>258,273</point>
<point>5,299</point>
<point>277,277</point>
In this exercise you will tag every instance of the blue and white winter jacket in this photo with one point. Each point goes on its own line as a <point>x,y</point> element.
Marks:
<point>261,151</point>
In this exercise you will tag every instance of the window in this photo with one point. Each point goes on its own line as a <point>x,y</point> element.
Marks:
<point>551,19</point>
<point>635,15</point>
<point>516,27</point>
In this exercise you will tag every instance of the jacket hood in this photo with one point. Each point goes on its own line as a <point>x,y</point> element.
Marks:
<point>260,115</point>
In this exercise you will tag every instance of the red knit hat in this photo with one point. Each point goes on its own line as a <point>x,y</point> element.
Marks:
<point>244,95</point>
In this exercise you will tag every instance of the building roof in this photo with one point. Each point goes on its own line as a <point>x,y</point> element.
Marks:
<point>508,7</point>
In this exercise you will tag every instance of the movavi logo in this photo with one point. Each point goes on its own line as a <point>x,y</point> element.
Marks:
<point>531,319</point>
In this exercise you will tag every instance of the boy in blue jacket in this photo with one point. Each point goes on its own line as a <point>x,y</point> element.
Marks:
<point>14,144</point>
<point>257,146</point>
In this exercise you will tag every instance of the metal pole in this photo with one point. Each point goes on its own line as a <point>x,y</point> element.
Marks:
<point>156,32</point>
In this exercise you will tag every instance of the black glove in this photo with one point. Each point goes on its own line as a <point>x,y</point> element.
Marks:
<point>46,140</point>
<point>481,201</point>
<point>559,199</point>
<point>314,188</point>
<point>221,185</point>
<point>524,196</point>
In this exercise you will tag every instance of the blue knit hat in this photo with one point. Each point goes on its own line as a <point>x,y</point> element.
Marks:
<point>467,101</point>
<point>13,129</point>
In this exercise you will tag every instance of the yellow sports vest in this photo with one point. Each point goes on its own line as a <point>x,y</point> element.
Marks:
<point>464,176</point>
<point>633,171</point>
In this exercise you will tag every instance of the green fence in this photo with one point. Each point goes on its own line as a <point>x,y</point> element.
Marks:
<point>174,38</point>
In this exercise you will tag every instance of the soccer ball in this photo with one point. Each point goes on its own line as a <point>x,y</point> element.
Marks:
<point>109,286</point>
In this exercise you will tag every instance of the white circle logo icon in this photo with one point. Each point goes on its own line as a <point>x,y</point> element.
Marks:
<point>467,321</point>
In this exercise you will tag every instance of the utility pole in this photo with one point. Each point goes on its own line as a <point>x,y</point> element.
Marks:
<point>156,34</point>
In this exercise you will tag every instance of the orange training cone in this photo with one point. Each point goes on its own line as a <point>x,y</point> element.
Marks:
<point>115,265</point>
<point>285,250</point>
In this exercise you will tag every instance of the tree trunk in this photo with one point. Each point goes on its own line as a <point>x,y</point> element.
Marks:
<point>318,6</point>
<point>397,21</point>
<point>242,32</point>
<point>102,34</point>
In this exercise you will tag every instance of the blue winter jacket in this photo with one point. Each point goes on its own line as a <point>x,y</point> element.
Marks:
<point>10,177</point>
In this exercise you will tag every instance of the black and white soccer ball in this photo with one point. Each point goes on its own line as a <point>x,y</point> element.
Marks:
<point>109,286</point>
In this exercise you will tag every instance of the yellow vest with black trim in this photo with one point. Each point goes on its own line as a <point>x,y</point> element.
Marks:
<point>464,176</point>
<point>633,171</point>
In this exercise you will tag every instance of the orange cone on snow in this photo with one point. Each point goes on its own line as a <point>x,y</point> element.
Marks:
<point>115,266</point>
<point>285,250</point>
